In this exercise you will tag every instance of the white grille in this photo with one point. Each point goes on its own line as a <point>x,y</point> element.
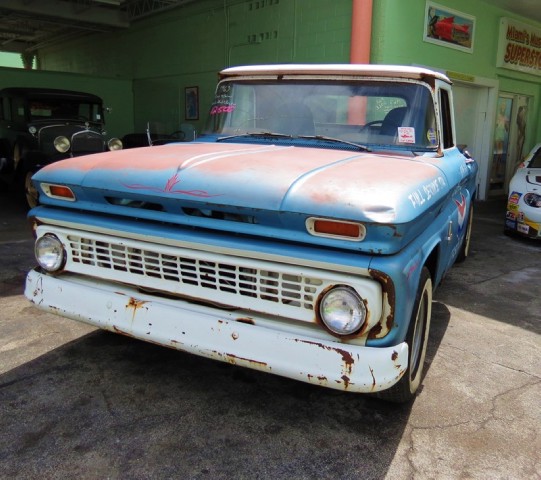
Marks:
<point>229,277</point>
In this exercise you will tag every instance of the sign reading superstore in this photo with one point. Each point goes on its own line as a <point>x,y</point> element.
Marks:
<point>519,47</point>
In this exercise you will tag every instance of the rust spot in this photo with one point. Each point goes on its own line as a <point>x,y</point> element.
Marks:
<point>135,304</point>
<point>394,356</point>
<point>247,320</point>
<point>120,331</point>
<point>345,378</point>
<point>389,296</point>
<point>373,378</point>
<point>346,356</point>
<point>233,359</point>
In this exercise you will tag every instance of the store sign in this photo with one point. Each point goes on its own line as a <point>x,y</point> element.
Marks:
<point>519,47</point>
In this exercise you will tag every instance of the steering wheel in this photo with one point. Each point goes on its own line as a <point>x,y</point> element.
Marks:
<point>371,124</point>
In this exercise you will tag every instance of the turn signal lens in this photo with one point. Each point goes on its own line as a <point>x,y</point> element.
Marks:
<point>58,191</point>
<point>324,227</point>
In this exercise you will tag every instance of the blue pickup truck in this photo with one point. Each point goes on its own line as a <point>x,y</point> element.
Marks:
<point>302,234</point>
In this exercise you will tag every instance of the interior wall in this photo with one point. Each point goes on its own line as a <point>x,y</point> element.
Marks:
<point>186,47</point>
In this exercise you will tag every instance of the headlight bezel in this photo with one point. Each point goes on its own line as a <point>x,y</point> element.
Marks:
<point>337,322</point>
<point>52,257</point>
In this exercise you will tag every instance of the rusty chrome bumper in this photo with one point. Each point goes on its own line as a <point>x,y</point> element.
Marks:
<point>218,334</point>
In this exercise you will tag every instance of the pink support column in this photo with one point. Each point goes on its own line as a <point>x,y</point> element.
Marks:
<point>361,39</point>
<point>361,31</point>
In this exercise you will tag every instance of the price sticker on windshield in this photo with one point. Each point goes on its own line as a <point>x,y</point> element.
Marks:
<point>406,134</point>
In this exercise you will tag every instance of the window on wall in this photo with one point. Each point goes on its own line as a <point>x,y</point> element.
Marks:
<point>446,123</point>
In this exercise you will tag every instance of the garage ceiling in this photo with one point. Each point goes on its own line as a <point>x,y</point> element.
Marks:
<point>28,25</point>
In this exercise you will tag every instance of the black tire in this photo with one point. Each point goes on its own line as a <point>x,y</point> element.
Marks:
<point>30,193</point>
<point>417,340</point>
<point>24,188</point>
<point>465,247</point>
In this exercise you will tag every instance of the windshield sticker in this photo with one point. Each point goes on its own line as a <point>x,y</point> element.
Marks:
<point>431,136</point>
<point>218,109</point>
<point>406,134</point>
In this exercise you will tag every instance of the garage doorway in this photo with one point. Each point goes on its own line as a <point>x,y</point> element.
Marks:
<point>509,135</point>
<point>473,121</point>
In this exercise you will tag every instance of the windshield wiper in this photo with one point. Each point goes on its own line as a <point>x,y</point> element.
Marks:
<point>255,134</point>
<point>335,140</point>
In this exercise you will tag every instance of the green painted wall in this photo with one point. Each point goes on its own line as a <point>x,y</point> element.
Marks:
<point>397,37</point>
<point>116,93</point>
<point>187,47</point>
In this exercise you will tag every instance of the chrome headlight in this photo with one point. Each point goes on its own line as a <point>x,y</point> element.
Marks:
<point>532,200</point>
<point>114,144</point>
<point>342,310</point>
<point>62,144</point>
<point>50,253</point>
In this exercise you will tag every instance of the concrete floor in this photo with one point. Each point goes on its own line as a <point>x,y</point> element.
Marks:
<point>81,403</point>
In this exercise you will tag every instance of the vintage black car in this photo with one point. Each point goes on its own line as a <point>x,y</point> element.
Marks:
<point>39,126</point>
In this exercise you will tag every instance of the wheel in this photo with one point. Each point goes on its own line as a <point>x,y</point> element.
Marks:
<point>465,247</point>
<point>30,192</point>
<point>417,340</point>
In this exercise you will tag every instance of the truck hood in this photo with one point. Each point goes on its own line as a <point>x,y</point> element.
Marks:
<point>263,181</point>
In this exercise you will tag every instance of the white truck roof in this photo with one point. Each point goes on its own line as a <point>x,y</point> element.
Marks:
<point>363,70</point>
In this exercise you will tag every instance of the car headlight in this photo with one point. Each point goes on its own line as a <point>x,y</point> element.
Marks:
<point>115,144</point>
<point>62,144</point>
<point>532,200</point>
<point>50,253</point>
<point>342,310</point>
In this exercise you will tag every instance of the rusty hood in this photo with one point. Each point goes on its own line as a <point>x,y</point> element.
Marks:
<point>272,183</point>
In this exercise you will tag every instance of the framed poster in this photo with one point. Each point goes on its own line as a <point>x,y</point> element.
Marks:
<point>191,103</point>
<point>448,28</point>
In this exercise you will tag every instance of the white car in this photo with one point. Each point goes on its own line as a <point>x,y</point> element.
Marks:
<point>524,202</point>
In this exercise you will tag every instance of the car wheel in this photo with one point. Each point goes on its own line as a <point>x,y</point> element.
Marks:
<point>30,192</point>
<point>417,340</point>
<point>465,247</point>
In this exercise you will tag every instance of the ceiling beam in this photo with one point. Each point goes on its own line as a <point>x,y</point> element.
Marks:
<point>69,12</point>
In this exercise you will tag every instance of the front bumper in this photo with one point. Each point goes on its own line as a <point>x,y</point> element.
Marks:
<point>218,334</point>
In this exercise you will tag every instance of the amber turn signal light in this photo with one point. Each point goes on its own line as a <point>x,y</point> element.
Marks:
<point>336,228</point>
<point>58,191</point>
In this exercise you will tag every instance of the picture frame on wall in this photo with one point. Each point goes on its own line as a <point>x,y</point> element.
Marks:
<point>191,102</point>
<point>449,28</point>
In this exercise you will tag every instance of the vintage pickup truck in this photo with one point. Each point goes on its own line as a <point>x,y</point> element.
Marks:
<point>301,235</point>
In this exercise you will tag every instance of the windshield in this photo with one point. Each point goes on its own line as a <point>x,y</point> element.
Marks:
<point>535,162</point>
<point>374,113</point>
<point>62,108</point>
